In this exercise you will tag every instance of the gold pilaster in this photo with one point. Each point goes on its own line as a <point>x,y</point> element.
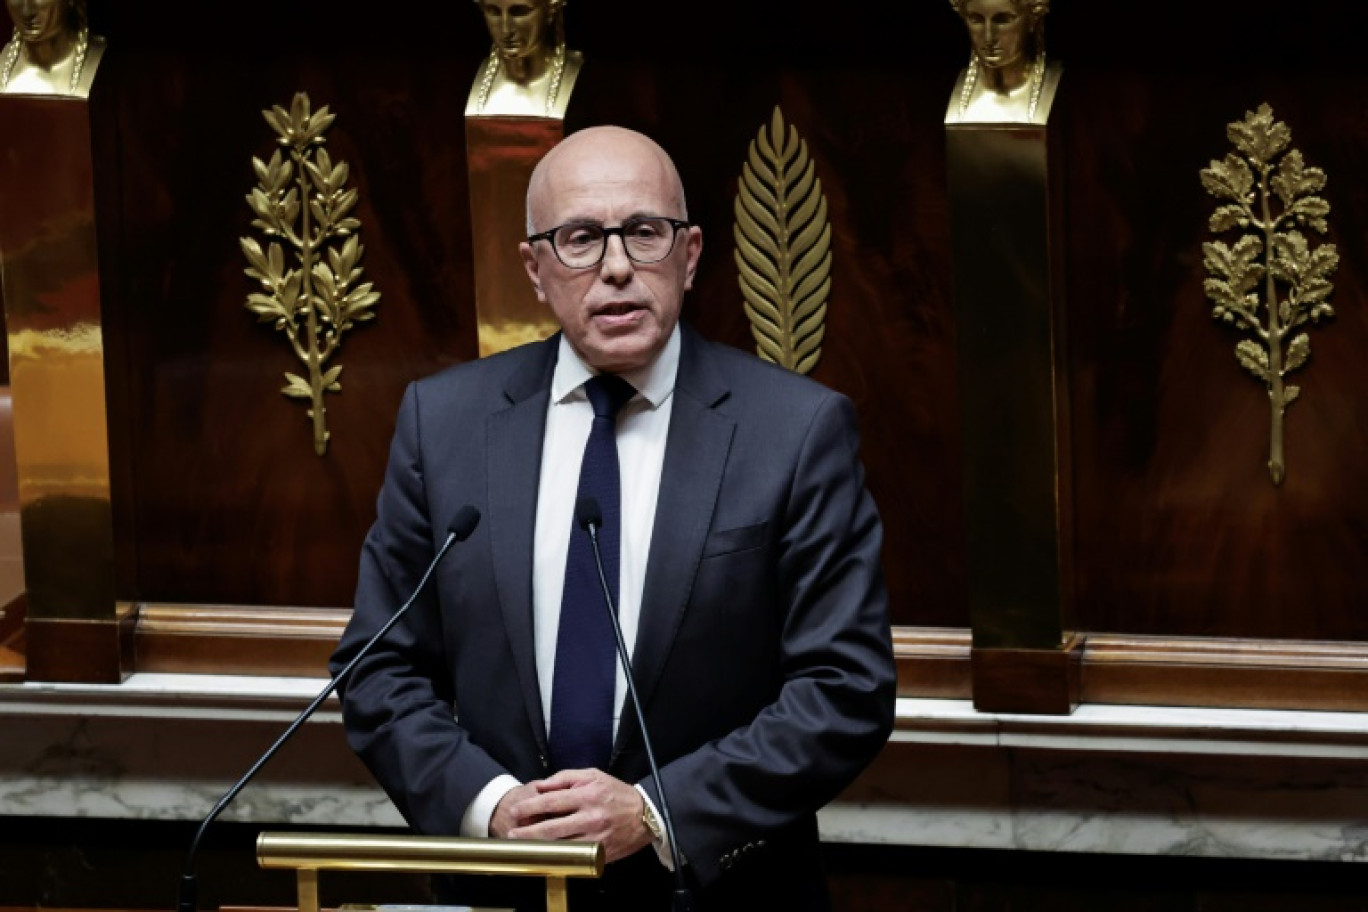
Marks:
<point>49,279</point>
<point>1014,414</point>
<point>501,152</point>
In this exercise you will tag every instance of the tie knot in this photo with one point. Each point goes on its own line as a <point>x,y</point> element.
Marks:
<point>608,393</point>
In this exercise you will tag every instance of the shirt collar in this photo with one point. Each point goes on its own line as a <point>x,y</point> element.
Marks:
<point>654,382</point>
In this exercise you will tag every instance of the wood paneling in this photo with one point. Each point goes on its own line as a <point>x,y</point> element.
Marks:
<point>1179,533</point>
<point>1179,530</point>
<point>232,505</point>
<point>235,639</point>
<point>1163,671</point>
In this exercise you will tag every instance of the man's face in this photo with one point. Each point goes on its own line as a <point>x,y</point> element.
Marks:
<point>38,20</point>
<point>997,29</point>
<point>619,314</point>
<point>517,26</point>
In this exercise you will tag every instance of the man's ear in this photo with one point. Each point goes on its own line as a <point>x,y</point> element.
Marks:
<point>529,258</point>
<point>693,245</point>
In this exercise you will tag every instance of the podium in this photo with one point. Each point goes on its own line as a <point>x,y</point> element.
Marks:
<point>310,853</point>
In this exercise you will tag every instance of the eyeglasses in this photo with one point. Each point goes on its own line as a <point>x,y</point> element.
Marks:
<point>581,245</point>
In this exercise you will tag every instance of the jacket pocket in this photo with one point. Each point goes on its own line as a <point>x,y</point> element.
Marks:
<point>729,541</point>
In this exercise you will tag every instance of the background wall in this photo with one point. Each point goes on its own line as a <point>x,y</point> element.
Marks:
<point>1178,530</point>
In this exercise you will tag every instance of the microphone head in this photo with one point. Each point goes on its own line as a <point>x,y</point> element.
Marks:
<point>587,512</point>
<point>467,518</point>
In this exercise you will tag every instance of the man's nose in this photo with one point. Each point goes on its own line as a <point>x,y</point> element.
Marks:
<point>616,265</point>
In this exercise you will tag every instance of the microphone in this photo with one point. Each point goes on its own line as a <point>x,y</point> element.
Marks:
<point>590,517</point>
<point>467,518</point>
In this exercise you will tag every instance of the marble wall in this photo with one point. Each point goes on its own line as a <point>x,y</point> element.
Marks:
<point>1108,779</point>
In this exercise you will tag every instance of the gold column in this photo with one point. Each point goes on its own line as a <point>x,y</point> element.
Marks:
<point>49,279</point>
<point>502,151</point>
<point>1014,416</point>
<point>515,113</point>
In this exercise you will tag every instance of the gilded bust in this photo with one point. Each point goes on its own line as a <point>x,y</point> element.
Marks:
<point>529,72</point>
<point>51,52</point>
<point>1008,79</point>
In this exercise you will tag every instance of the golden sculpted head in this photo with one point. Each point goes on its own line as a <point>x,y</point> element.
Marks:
<point>1004,32</point>
<point>529,72</point>
<point>1007,68</point>
<point>51,51</point>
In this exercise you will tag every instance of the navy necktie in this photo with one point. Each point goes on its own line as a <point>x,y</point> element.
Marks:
<point>586,652</point>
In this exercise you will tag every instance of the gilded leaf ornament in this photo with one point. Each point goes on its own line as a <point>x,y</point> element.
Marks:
<point>1270,281</point>
<point>301,203</point>
<point>783,247</point>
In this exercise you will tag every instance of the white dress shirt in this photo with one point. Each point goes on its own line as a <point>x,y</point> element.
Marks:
<point>642,428</point>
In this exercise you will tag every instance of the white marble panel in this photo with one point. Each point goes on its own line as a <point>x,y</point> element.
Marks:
<point>1116,779</point>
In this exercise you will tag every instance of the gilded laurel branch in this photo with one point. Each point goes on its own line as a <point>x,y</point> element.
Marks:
<point>301,201</point>
<point>1271,281</point>
<point>783,248</point>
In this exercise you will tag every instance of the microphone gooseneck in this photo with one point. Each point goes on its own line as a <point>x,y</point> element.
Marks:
<point>464,523</point>
<point>590,518</point>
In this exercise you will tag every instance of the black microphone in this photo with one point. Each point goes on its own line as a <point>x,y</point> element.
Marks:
<point>467,518</point>
<point>590,518</point>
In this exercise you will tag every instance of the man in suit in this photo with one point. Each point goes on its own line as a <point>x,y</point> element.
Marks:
<point>747,555</point>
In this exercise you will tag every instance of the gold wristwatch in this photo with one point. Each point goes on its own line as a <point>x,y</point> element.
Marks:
<point>648,817</point>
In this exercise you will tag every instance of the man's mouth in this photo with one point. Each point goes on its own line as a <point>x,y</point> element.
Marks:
<point>616,310</point>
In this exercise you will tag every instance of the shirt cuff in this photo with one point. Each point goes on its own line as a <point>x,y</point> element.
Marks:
<point>661,845</point>
<point>475,821</point>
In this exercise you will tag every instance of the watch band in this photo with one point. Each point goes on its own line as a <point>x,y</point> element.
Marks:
<point>648,817</point>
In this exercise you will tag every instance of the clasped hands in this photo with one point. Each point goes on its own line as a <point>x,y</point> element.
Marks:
<point>585,804</point>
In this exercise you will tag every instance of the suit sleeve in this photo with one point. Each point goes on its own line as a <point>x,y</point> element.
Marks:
<point>398,704</point>
<point>835,707</point>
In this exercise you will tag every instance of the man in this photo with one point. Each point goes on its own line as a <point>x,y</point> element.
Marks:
<point>749,580</point>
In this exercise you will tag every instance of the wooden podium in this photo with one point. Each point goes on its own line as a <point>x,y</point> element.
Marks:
<point>309,853</point>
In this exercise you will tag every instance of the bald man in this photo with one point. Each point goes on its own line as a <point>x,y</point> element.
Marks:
<point>749,581</point>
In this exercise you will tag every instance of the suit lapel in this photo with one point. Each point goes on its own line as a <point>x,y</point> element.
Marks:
<point>695,457</point>
<point>514,467</point>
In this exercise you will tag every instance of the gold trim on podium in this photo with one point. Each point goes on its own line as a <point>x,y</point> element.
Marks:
<point>309,853</point>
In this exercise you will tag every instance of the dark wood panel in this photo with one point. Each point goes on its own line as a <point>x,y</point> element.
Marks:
<point>236,639</point>
<point>917,879</point>
<point>932,662</point>
<point>1178,531</point>
<point>123,864</point>
<point>1163,671</point>
<point>232,504</point>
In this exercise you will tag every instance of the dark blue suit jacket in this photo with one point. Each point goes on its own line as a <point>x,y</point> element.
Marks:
<point>763,655</point>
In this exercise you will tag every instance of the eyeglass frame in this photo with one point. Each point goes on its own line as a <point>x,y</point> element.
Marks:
<point>674,223</point>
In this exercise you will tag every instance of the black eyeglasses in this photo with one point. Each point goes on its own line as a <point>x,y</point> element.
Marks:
<point>580,245</point>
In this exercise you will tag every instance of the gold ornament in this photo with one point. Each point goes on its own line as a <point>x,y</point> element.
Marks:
<point>1270,194</point>
<point>315,303</point>
<point>783,248</point>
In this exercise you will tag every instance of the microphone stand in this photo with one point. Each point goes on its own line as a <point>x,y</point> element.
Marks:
<point>187,893</point>
<point>591,517</point>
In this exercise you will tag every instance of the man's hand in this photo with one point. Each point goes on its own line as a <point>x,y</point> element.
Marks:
<point>506,815</point>
<point>581,804</point>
